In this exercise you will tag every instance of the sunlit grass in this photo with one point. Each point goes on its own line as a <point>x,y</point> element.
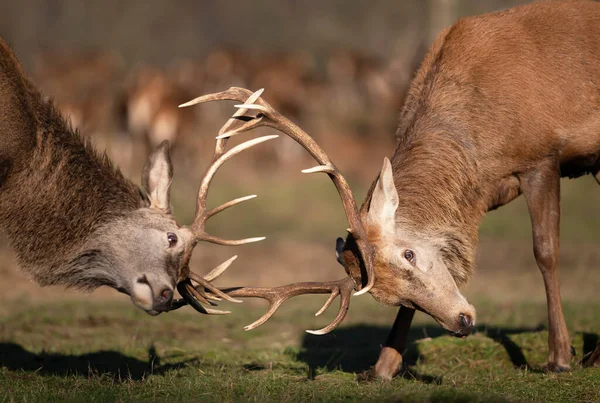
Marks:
<point>109,351</point>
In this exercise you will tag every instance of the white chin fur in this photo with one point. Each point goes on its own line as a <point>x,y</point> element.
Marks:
<point>142,297</point>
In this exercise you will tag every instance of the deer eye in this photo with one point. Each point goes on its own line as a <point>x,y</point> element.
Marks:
<point>409,255</point>
<point>172,238</point>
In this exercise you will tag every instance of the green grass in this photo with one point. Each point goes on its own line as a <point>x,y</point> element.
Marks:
<point>84,351</point>
<point>108,351</point>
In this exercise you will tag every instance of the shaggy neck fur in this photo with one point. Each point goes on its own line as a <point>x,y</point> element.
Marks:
<point>437,176</point>
<point>55,189</point>
<point>439,198</point>
<point>435,165</point>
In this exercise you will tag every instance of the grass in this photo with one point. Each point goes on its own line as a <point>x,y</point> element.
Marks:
<point>90,351</point>
<point>105,350</point>
<point>66,349</point>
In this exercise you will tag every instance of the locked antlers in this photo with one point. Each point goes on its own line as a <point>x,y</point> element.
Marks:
<point>265,115</point>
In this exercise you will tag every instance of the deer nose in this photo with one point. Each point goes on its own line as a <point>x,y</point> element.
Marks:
<point>466,324</point>
<point>162,302</point>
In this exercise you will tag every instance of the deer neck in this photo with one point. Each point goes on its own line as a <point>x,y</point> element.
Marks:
<point>59,195</point>
<point>440,197</point>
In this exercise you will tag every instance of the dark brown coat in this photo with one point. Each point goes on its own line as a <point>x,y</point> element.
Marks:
<point>70,215</point>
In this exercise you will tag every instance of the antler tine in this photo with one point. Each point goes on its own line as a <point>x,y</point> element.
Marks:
<point>278,295</point>
<point>207,285</point>
<point>328,303</point>
<point>193,297</point>
<point>196,296</point>
<point>224,206</point>
<point>273,307</point>
<point>255,96</point>
<point>202,215</point>
<point>233,94</point>
<point>249,125</point>
<point>344,306</point>
<point>220,269</point>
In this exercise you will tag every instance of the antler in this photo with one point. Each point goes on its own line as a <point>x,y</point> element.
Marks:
<point>219,157</point>
<point>204,292</point>
<point>278,295</point>
<point>267,116</point>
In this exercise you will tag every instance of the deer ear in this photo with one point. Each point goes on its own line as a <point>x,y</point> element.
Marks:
<point>384,201</point>
<point>157,176</point>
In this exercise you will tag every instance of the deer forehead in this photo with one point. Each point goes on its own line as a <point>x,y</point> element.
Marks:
<point>151,218</point>
<point>425,245</point>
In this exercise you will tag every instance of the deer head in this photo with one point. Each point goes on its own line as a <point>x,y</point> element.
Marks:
<point>153,251</point>
<point>410,266</point>
<point>144,248</point>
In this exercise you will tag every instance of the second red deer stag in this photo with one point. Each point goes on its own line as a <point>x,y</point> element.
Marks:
<point>503,104</point>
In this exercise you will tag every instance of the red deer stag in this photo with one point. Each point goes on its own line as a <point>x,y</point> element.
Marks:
<point>74,220</point>
<point>503,104</point>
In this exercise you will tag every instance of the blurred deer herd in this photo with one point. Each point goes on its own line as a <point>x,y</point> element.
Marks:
<point>345,99</point>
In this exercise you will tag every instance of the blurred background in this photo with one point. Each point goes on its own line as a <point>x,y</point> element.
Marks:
<point>340,69</point>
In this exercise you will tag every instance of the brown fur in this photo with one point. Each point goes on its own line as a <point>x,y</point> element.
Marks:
<point>71,216</point>
<point>502,104</point>
<point>56,189</point>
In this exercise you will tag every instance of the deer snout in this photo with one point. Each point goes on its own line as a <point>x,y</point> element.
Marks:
<point>466,325</point>
<point>458,319</point>
<point>162,302</point>
<point>152,297</point>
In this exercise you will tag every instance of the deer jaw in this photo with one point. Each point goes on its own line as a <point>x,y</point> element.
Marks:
<point>411,268</point>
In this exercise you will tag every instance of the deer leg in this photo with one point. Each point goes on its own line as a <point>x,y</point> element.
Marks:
<point>541,189</point>
<point>390,357</point>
